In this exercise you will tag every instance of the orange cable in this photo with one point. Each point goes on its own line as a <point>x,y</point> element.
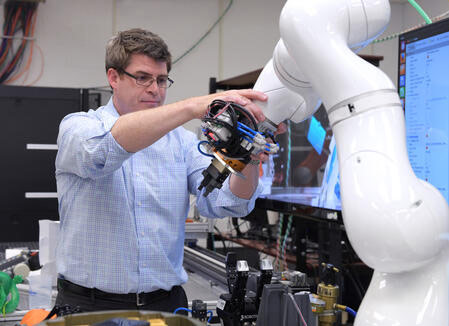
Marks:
<point>9,41</point>
<point>30,56</point>
<point>42,66</point>
<point>22,46</point>
<point>32,50</point>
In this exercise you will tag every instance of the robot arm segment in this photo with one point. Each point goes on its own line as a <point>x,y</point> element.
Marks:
<point>319,35</point>
<point>379,190</point>
<point>321,45</point>
<point>290,96</point>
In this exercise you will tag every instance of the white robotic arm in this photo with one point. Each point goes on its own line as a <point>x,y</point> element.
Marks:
<point>397,224</point>
<point>290,99</point>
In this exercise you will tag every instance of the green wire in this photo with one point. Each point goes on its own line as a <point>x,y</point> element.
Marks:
<point>395,35</point>
<point>289,153</point>
<point>287,231</point>
<point>420,11</point>
<point>205,34</point>
<point>387,38</point>
<point>279,239</point>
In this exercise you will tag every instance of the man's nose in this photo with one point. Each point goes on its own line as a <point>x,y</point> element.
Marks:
<point>153,88</point>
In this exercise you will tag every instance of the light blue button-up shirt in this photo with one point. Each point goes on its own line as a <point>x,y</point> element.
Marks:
<point>123,214</point>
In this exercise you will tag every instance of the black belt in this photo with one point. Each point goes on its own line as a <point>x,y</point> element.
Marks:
<point>140,299</point>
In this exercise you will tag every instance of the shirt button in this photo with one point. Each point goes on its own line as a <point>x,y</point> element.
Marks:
<point>142,234</point>
<point>137,174</point>
<point>139,203</point>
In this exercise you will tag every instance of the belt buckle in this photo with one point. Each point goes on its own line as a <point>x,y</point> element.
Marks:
<point>139,301</point>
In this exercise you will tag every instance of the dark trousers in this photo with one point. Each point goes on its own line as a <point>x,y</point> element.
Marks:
<point>89,300</point>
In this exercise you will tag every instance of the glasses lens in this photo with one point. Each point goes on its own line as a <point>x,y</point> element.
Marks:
<point>148,80</point>
<point>144,80</point>
<point>164,82</point>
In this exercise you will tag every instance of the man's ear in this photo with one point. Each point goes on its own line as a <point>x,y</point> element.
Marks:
<point>113,77</point>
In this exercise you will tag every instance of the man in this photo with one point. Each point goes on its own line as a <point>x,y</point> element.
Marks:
<point>124,174</point>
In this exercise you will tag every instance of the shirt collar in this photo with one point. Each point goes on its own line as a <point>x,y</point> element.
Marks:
<point>110,114</point>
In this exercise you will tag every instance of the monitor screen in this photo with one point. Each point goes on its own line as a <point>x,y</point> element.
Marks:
<point>423,82</point>
<point>305,170</point>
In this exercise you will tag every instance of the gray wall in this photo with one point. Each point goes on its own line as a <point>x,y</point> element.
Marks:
<point>72,35</point>
<point>403,16</point>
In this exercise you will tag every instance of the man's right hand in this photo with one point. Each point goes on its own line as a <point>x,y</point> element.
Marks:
<point>242,97</point>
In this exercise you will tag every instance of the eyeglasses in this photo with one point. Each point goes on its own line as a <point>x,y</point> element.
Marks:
<point>147,80</point>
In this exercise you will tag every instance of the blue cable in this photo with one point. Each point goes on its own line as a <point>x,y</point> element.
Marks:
<point>243,126</point>
<point>249,140</point>
<point>352,312</point>
<point>272,145</point>
<point>245,130</point>
<point>211,315</point>
<point>245,133</point>
<point>199,148</point>
<point>183,309</point>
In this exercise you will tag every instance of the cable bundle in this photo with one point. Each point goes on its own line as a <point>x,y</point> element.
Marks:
<point>235,122</point>
<point>284,243</point>
<point>277,262</point>
<point>19,23</point>
<point>232,131</point>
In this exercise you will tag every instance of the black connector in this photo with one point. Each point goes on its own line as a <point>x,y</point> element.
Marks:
<point>328,274</point>
<point>199,310</point>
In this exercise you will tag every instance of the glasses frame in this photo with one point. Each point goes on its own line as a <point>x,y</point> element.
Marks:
<point>170,81</point>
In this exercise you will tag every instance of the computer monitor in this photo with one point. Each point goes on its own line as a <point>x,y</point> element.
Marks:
<point>423,82</point>
<point>304,173</point>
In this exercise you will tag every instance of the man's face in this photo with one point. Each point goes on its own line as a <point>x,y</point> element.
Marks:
<point>130,97</point>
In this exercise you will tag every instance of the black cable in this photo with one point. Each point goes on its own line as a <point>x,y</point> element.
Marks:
<point>219,105</point>
<point>357,288</point>
<point>6,32</point>
<point>236,225</point>
<point>231,147</point>
<point>357,279</point>
<point>24,24</point>
<point>222,240</point>
<point>352,257</point>
<point>247,114</point>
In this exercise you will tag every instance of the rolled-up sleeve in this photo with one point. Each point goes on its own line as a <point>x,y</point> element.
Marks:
<point>87,148</point>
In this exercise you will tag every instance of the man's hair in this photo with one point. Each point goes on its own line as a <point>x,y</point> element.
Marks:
<point>135,41</point>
